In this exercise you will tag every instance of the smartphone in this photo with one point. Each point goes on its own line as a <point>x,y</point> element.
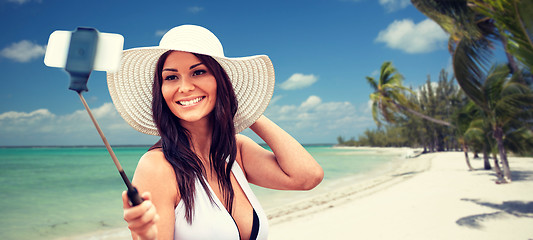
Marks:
<point>108,50</point>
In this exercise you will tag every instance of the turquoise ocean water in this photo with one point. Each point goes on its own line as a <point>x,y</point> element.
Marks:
<point>49,193</point>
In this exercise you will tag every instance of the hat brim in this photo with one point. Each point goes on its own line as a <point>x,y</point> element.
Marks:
<point>252,78</point>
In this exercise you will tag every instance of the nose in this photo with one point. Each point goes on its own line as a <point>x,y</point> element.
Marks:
<point>185,85</point>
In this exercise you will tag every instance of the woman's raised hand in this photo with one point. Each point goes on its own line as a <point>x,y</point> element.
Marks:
<point>142,218</point>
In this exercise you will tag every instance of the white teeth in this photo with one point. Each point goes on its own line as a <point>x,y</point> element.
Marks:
<point>190,102</point>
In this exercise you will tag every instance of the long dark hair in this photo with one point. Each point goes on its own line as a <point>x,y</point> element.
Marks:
<point>176,141</point>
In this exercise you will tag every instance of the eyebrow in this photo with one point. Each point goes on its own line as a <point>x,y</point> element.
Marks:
<point>176,70</point>
<point>195,65</point>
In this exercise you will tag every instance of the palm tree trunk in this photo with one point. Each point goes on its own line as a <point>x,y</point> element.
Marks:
<point>486,162</point>
<point>497,168</point>
<point>512,63</point>
<point>437,121</point>
<point>498,135</point>
<point>465,150</point>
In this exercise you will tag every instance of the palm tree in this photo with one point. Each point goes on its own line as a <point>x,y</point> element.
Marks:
<point>478,133</point>
<point>474,26</point>
<point>463,119</point>
<point>388,99</point>
<point>514,22</point>
<point>504,100</point>
<point>440,101</point>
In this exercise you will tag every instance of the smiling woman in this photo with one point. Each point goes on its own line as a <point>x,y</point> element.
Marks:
<point>195,180</point>
<point>188,87</point>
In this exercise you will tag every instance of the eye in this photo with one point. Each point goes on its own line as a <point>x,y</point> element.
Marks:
<point>199,72</point>
<point>171,77</point>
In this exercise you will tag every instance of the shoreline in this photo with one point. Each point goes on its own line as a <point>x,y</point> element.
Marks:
<point>440,200</point>
<point>404,167</point>
<point>333,194</point>
<point>430,196</point>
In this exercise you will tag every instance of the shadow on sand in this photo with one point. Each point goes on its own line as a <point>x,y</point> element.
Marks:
<point>516,176</point>
<point>513,208</point>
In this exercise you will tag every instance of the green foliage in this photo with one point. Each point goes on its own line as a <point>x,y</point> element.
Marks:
<point>389,100</point>
<point>388,91</point>
<point>415,127</point>
<point>446,101</point>
<point>498,113</point>
<point>474,27</point>
<point>514,21</point>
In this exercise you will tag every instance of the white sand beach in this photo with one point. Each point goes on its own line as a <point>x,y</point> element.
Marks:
<point>432,196</point>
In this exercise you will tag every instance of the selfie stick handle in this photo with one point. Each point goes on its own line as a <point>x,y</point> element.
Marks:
<point>133,194</point>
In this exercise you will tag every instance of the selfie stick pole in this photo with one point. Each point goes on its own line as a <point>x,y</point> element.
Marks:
<point>79,65</point>
<point>133,195</point>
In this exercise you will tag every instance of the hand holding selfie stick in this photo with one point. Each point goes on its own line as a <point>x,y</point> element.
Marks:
<point>79,53</point>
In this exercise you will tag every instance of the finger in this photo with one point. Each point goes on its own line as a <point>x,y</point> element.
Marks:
<point>136,212</point>
<point>143,223</point>
<point>146,196</point>
<point>125,200</point>
<point>150,216</point>
<point>148,231</point>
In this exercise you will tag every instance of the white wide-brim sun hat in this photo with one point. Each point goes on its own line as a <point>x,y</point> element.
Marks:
<point>131,86</point>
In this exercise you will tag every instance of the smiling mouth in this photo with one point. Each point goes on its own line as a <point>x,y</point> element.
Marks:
<point>190,102</point>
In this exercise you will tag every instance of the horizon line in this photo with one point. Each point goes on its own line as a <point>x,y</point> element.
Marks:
<point>127,145</point>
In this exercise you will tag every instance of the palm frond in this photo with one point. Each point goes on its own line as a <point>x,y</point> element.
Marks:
<point>372,82</point>
<point>454,16</point>
<point>470,62</point>
<point>514,20</point>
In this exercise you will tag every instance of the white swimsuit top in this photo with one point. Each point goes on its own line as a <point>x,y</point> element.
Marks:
<point>212,220</point>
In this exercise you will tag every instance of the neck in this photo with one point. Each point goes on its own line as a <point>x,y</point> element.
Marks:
<point>200,133</point>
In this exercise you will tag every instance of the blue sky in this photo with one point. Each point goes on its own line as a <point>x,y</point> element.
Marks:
<point>322,51</point>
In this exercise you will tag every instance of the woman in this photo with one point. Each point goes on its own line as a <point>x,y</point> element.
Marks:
<point>194,181</point>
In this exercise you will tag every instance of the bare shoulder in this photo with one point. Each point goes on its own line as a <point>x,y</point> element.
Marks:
<point>244,142</point>
<point>240,139</point>
<point>155,174</point>
<point>246,145</point>
<point>154,162</point>
<point>251,156</point>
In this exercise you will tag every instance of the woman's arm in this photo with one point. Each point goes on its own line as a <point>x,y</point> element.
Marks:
<point>289,166</point>
<point>154,217</point>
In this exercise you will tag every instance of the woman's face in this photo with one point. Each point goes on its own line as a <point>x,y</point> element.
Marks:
<point>189,88</point>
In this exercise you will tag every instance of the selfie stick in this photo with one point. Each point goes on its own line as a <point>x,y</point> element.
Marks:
<point>79,64</point>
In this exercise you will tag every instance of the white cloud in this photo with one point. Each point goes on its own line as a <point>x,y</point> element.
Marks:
<point>316,121</point>
<point>424,87</point>
<point>449,66</point>
<point>375,73</point>
<point>298,81</point>
<point>41,127</point>
<point>23,115</point>
<point>20,1</point>
<point>368,107</point>
<point>160,33</point>
<point>275,99</point>
<point>394,5</point>
<point>195,9</point>
<point>311,102</point>
<point>407,36</point>
<point>311,121</point>
<point>23,51</point>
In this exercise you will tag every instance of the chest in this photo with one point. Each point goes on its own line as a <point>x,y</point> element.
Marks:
<point>211,219</point>
<point>242,210</point>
